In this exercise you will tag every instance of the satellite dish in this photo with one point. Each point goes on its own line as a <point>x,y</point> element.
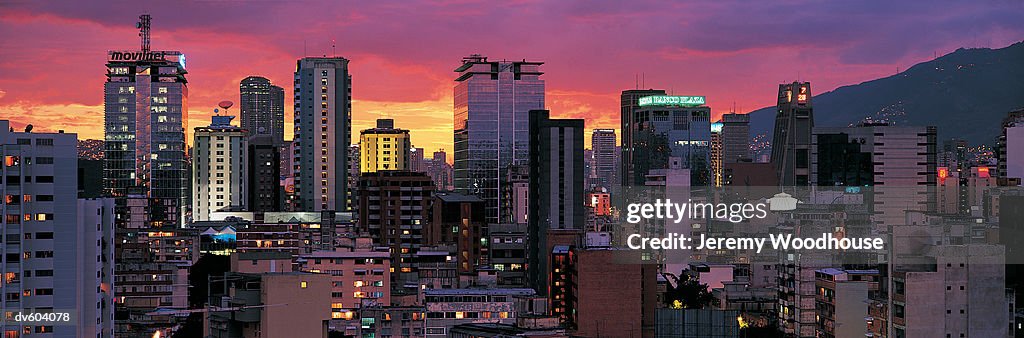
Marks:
<point>28,128</point>
<point>225,104</point>
<point>216,111</point>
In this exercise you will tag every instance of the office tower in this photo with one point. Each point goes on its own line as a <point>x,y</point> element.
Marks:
<point>602,143</point>
<point>735,137</point>
<point>384,148</point>
<point>262,108</point>
<point>264,172</point>
<point>791,142</point>
<point>219,166</point>
<point>492,104</point>
<point>897,164</point>
<point>716,154</point>
<point>394,206</point>
<point>663,127</point>
<point>1010,146</point>
<point>59,249</point>
<point>145,117</point>
<point>629,102</point>
<point>323,120</point>
<point>416,162</point>
<point>458,221</point>
<point>556,190</point>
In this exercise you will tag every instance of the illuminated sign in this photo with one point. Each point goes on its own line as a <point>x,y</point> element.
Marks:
<point>983,172</point>
<point>943,174</point>
<point>181,60</point>
<point>665,100</point>
<point>717,127</point>
<point>802,97</point>
<point>138,56</point>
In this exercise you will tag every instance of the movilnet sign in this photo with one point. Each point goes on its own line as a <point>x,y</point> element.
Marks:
<point>667,100</point>
<point>137,56</point>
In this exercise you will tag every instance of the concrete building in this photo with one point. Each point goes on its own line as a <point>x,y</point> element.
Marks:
<point>392,321</point>
<point>58,248</point>
<point>264,172</point>
<point>358,279</point>
<point>791,141</point>
<point>842,300</point>
<point>1009,146</point>
<point>556,188</point>
<point>447,308</point>
<point>897,163</point>
<point>625,308</point>
<point>602,143</point>
<point>292,304</point>
<point>384,148</point>
<point>323,129</point>
<point>458,220</point>
<point>697,323</point>
<point>220,162</point>
<point>440,170</point>
<point>508,253</point>
<point>735,137</point>
<point>493,100</point>
<point>394,207</point>
<point>262,108</point>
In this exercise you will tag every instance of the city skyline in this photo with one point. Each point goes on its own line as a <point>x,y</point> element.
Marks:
<point>403,68</point>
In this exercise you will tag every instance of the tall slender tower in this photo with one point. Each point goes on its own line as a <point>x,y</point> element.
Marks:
<point>630,101</point>
<point>492,104</point>
<point>145,115</point>
<point>323,128</point>
<point>602,142</point>
<point>791,142</point>
<point>262,107</point>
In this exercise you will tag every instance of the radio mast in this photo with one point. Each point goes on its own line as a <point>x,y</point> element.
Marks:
<point>143,26</point>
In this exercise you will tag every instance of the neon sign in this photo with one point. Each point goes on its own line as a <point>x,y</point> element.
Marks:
<point>666,100</point>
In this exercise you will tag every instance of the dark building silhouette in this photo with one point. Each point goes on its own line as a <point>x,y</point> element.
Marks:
<point>791,142</point>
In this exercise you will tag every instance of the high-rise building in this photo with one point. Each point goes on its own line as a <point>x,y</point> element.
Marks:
<point>602,142</point>
<point>219,166</point>
<point>629,102</point>
<point>384,148</point>
<point>1011,146</point>
<point>262,107</point>
<point>492,104</point>
<point>716,154</point>
<point>394,207</point>
<point>439,170</point>
<point>457,221</point>
<point>59,249</point>
<point>145,117</point>
<point>264,172</point>
<point>664,127</point>
<point>791,142</point>
<point>323,120</point>
<point>735,137</point>
<point>416,162</point>
<point>897,164</point>
<point>556,201</point>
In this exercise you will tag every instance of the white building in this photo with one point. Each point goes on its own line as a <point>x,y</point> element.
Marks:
<point>58,249</point>
<point>218,166</point>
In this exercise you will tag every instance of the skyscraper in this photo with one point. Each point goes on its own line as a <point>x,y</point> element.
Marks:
<point>323,120</point>
<point>602,142</point>
<point>492,104</point>
<point>669,126</point>
<point>556,190</point>
<point>630,101</point>
<point>735,137</point>
<point>145,115</point>
<point>264,172</point>
<point>219,160</point>
<point>791,142</point>
<point>384,148</point>
<point>262,107</point>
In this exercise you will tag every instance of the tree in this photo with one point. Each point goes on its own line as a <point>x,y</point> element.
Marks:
<point>688,292</point>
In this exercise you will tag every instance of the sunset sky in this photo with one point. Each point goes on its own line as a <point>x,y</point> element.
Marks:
<point>403,53</point>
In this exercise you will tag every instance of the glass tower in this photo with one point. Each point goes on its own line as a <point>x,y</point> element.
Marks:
<point>262,107</point>
<point>493,100</point>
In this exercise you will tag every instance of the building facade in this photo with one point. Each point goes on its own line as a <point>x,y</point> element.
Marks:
<point>220,168</point>
<point>492,104</point>
<point>791,141</point>
<point>323,128</point>
<point>384,148</point>
<point>262,108</point>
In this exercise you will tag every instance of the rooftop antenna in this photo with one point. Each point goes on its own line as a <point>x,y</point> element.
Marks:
<point>643,80</point>
<point>334,51</point>
<point>143,26</point>
<point>636,81</point>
